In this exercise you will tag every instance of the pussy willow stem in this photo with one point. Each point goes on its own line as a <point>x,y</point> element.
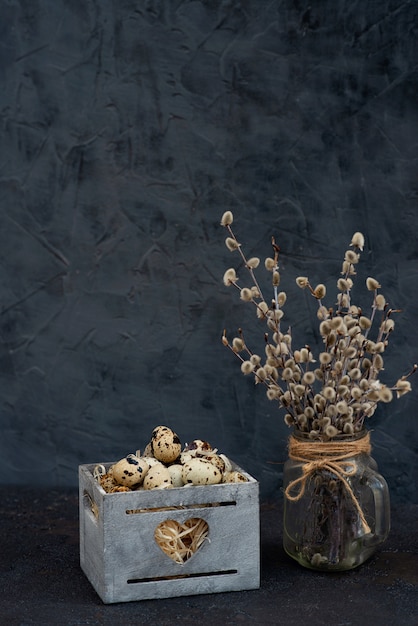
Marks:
<point>243,257</point>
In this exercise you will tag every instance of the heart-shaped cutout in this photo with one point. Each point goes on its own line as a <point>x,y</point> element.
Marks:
<point>181,541</point>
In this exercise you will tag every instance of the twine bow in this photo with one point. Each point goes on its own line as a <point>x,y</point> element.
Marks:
<point>331,456</point>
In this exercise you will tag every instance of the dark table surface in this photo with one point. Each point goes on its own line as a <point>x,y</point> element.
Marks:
<point>42,582</point>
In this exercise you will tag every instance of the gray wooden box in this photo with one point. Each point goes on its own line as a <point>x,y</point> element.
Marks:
<point>121,559</point>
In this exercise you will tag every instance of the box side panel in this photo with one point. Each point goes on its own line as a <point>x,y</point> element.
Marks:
<point>91,532</point>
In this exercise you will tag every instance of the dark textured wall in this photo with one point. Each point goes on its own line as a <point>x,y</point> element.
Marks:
<point>127,128</point>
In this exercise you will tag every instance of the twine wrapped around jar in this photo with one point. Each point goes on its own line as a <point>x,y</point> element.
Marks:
<point>331,456</point>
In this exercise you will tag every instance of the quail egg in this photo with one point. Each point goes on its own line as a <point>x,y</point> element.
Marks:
<point>198,471</point>
<point>176,471</point>
<point>158,477</point>
<point>130,471</point>
<point>234,477</point>
<point>228,464</point>
<point>216,460</point>
<point>165,444</point>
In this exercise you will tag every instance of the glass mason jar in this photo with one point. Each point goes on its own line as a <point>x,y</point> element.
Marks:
<point>336,505</point>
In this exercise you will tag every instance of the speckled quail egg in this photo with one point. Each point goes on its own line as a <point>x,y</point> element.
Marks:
<point>176,471</point>
<point>186,456</point>
<point>234,477</point>
<point>130,471</point>
<point>198,445</point>
<point>148,450</point>
<point>158,477</point>
<point>195,448</point>
<point>165,444</point>
<point>216,460</point>
<point>198,471</point>
<point>151,460</point>
<point>228,464</point>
